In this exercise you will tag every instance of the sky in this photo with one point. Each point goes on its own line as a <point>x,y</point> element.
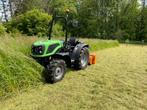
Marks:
<point>1,10</point>
<point>141,0</point>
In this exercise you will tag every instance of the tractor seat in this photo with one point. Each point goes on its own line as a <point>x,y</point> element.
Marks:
<point>73,41</point>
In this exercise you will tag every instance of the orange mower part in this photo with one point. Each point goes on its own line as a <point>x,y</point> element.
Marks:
<point>92,59</point>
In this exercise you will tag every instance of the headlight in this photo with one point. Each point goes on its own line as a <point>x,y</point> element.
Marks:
<point>38,50</point>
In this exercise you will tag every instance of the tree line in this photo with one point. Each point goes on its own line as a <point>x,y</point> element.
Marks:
<point>103,19</point>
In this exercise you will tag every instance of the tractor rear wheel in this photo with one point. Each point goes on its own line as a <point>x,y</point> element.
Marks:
<point>83,59</point>
<point>55,71</point>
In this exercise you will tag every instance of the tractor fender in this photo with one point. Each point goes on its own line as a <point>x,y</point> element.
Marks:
<point>76,52</point>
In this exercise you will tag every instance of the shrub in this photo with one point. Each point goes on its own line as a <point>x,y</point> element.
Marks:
<point>31,23</point>
<point>121,35</point>
<point>57,30</point>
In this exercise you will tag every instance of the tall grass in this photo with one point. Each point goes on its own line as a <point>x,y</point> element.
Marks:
<point>18,70</point>
<point>96,44</point>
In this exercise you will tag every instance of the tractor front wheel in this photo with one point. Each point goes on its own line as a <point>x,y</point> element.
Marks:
<point>55,71</point>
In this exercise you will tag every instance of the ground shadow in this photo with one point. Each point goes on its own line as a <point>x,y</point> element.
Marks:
<point>139,43</point>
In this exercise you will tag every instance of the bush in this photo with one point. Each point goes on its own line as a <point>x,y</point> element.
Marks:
<point>31,23</point>
<point>57,30</point>
<point>122,35</point>
<point>2,29</point>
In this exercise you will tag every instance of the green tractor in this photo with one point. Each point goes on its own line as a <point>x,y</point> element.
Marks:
<point>56,55</point>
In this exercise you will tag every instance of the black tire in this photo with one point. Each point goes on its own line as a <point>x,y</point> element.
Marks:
<point>55,71</point>
<point>82,61</point>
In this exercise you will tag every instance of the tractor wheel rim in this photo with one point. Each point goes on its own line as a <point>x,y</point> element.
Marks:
<point>84,59</point>
<point>58,72</point>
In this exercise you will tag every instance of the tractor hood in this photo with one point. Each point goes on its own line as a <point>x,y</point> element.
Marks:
<point>46,48</point>
<point>46,42</point>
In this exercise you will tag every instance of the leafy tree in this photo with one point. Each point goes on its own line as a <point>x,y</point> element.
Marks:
<point>145,18</point>
<point>105,19</point>
<point>102,18</point>
<point>22,6</point>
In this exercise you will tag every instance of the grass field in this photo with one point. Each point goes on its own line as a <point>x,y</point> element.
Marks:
<point>18,71</point>
<point>117,82</point>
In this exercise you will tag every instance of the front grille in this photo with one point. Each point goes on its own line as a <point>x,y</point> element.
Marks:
<point>38,50</point>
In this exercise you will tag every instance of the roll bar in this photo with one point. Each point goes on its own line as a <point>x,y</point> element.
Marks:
<point>54,18</point>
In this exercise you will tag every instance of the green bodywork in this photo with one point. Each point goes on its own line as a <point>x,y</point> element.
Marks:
<point>46,44</point>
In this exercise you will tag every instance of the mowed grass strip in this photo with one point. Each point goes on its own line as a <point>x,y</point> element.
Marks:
<point>116,82</point>
<point>18,71</point>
